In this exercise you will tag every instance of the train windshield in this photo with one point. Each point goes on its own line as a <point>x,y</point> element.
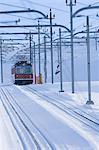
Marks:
<point>23,70</point>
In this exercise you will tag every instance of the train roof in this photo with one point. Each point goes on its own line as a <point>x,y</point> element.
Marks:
<point>22,63</point>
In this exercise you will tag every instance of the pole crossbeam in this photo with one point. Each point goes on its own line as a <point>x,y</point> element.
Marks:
<point>24,11</point>
<point>85,32</point>
<point>34,26</point>
<point>85,8</point>
<point>20,33</point>
<point>11,40</point>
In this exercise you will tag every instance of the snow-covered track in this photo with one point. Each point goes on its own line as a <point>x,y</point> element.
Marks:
<point>76,109</point>
<point>85,118</point>
<point>13,109</point>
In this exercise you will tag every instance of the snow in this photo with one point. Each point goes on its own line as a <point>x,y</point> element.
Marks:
<point>60,129</point>
<point>40,115</point>
<point>8,137</point>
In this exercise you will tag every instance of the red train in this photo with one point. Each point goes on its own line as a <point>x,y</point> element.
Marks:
<point>22,73</point>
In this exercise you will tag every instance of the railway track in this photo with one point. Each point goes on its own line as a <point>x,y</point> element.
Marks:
<point>60,99</point>
<point>16,113</point>
<point>67,108</point>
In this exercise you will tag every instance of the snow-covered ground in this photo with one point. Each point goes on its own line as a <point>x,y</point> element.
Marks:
<point>40,117</point>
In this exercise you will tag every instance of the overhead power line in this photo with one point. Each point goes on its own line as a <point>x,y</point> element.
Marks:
<point>95,3</point>
<point>10,5</point>
<point>21,16</point>
<point>82,3</point>
<point>35,3</point>
<point>16,6</point>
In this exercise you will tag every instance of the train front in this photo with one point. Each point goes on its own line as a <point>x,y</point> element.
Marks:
<point>23,73</point>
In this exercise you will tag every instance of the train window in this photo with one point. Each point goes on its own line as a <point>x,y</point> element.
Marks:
<point>24,70</point>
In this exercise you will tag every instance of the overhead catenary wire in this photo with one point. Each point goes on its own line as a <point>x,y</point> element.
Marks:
<point>11,5</point>
<point>28,18</point>
<point>42,5</point>
<point>23,4</point>
<point>80,3</point>
<point>19,16</point>
<point>94,3</point>
<point>35,3</point>
<point>16,6</point>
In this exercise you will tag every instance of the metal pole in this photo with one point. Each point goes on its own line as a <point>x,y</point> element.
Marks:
<point>52,79</point>
<point>45,63</point>
<point>88,62</point>
<point>60,52</point>
<point>39,51</point>
<point>72,51</point>
<point>30,49</point>
<point>1,62</point>
<point>96,43</point>
<point>34,65</point>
